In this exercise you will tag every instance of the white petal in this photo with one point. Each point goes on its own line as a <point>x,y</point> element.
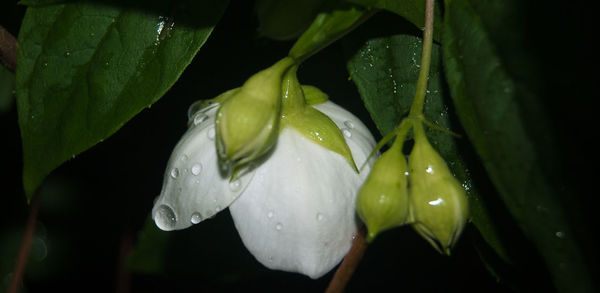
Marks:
<point>297,214</point>
<point>193,189</point>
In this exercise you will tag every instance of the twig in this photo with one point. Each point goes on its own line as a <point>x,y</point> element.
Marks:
<point>346,269</point>
<point>123,274</point>
<point>8,49</point>
<point>25,246</point>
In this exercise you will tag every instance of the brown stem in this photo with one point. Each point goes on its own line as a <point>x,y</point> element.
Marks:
<point>25,246</point>
<point>348,266</point>
<point>8,49</point>
<point>123,274</point>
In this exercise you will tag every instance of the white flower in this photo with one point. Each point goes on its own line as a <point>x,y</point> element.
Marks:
<point>294,211</point>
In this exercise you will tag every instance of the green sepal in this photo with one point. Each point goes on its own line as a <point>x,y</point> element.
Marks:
<point>309,121</point>
<point>313,95</point>
<point>319,128</point>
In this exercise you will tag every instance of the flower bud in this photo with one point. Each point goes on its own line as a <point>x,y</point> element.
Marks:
<point>247,123</point>
<point>382,201</point>
<point>438,203</point>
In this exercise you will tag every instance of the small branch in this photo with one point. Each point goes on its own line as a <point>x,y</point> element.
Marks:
<point>25,246</point>
<point>123,277</point>
<point>8,49</point>
<point>346,269</point>
<point>417,107</point>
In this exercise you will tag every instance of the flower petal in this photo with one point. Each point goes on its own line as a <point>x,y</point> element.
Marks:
<point>193,189</point>
<point>298,213</point>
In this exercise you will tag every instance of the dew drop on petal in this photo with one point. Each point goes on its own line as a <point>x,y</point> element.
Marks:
<point>270,214</point>
<point>346,133</point>
<point>349,124</point>
<point>196,218</point>
<point>165,217</point>
<point>211,133</point>
<point>199,118</point>
<point>196,169</point>
<point>174,173</point>
<point>235,185</point>
<point>320,217</point>
<point>218,208</point>
<point>279,226</point>
<point>183,158</point>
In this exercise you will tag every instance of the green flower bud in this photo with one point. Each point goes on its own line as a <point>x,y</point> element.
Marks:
<point>247,124</point>
<point>438,202</point>
<point>382,201</point>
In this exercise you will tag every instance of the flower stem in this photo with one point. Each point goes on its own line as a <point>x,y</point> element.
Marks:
<point>416,109</point>
<point>8,49</point>
<point>25,246</point>
<point>348,266</point>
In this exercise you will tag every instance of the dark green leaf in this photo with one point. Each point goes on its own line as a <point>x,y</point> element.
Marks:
<point>85,69</point>
<point>386,70</point>
<point>42,2</point>
<point>504,118</point>
<point>285,19</point>
<point>411,10</point>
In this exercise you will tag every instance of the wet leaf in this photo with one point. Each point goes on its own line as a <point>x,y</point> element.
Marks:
<point>84,69</point>
<point>489,76</point>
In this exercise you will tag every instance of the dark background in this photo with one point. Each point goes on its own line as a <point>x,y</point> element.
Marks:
<point>93,206</point>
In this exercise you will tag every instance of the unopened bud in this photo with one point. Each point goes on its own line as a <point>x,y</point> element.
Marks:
<point>439,205</point>
<point>247,124</point>
<point>382,201</point>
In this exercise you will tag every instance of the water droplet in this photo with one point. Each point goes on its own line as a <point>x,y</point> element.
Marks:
<point>320,217</point>
<point>68,53</point>
<point>436,202</point>
<point>346,133</point>
<point>218,208</point>
<point>196,169</point>
<point>174,173</point>
<point>235,185</point>
<point>196,218</point>
<point>211,133</point>
<point>165,217</point>
<point>349,124</point>
<point>560,234</point>
<point>270,214</point>
<point>429,170</point>
<point>183,158</point>
<point>199,118</point>
<point>279,226</point>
